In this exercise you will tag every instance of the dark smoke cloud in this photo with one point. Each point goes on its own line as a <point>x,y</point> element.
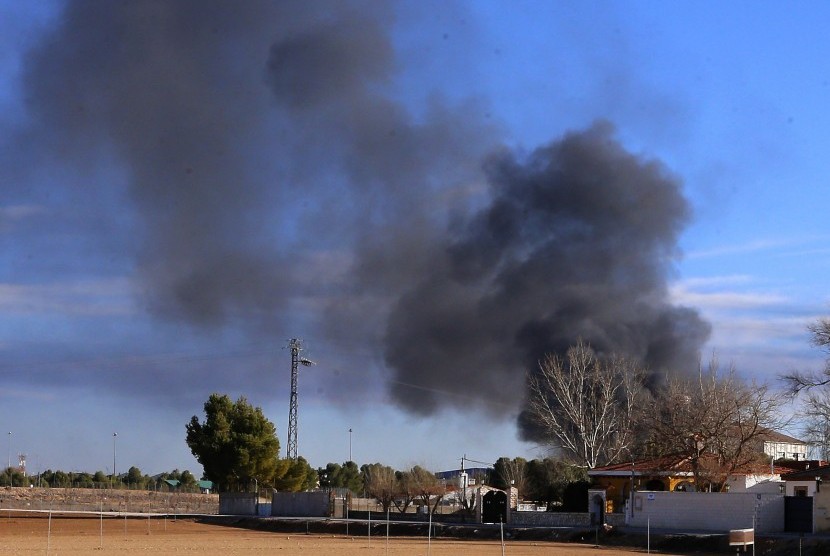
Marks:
<point>166,91</point>
<point>577,242</point>
<point>274,181</point>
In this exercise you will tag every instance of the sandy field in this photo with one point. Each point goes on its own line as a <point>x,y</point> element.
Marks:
<point>34,534</point>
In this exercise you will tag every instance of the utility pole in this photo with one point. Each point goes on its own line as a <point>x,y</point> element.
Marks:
<point>296,346</point>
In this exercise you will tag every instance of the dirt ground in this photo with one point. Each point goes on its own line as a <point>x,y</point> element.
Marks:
<point>24,533</point>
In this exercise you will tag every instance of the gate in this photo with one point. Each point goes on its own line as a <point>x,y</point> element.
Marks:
<point>798,514</point>
<point>494,507</point>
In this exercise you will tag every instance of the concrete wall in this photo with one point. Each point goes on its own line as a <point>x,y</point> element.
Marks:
<point>301,504</point>
<point>237,503</point>
<point>549,519</point>
<point>821,510</point>
<point>705,511</point>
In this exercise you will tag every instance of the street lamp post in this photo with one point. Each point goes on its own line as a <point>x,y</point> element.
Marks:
<point>9,467</point>
<point>114,436</point>
<point>350,444</point>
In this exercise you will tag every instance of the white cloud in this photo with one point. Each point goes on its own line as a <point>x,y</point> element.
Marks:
<point>716,281</point>
<point>90,298</point>
<point>683,294</point>
<point>787,246</point>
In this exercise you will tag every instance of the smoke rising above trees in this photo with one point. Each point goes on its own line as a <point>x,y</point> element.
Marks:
<point>276,179</point>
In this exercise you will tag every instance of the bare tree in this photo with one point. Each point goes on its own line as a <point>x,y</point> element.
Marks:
<point>797,381</point>
<point>427,487</point>
<point>717,421</point>
<point>406,491</point>
<point>816,420</point>
<point>512,473</point>
<point>586,405</point>
<point>381,484</point>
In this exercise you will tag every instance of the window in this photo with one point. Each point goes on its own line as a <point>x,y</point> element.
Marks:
<point>800,491</point>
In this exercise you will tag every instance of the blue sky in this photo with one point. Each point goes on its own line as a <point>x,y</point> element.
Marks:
<point>97,334</point>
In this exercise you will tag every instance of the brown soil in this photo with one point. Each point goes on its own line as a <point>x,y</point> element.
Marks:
<point>35,533</point>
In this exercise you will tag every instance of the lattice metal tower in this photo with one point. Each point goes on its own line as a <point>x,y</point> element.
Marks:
<point>296,346</point>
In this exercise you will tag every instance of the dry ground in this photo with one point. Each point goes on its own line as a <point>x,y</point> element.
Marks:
<point>34,534</point>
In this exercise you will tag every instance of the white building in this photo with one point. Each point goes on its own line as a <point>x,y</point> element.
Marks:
<point>781,446</point>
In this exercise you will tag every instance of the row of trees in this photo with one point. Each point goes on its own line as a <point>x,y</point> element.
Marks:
<point>238,449</point>
<point>554,482</point>
<point>133,479</point>
<point>550,481</point>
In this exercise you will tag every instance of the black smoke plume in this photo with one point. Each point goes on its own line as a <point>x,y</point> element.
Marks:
<point>577,241</point>
<point>262,175</point>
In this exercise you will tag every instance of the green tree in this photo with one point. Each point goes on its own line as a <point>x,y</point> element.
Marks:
<point>83,480</point>
<point>548,480</point>
<point>60,479</point>
<point>134,477</point>
<point>187,479</point>
<point>12,477</point>
<point>347,476</point>
<point>235,444</point>
<point>100,478</point>
<point>294,475</point>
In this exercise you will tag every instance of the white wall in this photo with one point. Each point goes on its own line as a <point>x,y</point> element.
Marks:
<point>811,487</point>
<point>745,483</point>
<point>237,503</point>
<point>708,511</point>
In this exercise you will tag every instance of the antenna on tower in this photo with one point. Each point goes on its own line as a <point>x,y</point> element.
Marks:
<point>296,346</point>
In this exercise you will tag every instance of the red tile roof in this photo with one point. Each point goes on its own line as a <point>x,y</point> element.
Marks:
<point>676,465</point>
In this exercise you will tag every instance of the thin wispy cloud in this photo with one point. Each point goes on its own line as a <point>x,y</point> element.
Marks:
<point>787,246</point>
<point>684,295</point>
<point>27,395</point>
<point>18,212</point>
<point>107,297</point>
<point>716,281</point>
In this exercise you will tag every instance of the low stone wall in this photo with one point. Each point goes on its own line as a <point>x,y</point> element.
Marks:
<point>550,519</point>
<point>615,520</point>
<point>116,500</point>
<point>395,515</point>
